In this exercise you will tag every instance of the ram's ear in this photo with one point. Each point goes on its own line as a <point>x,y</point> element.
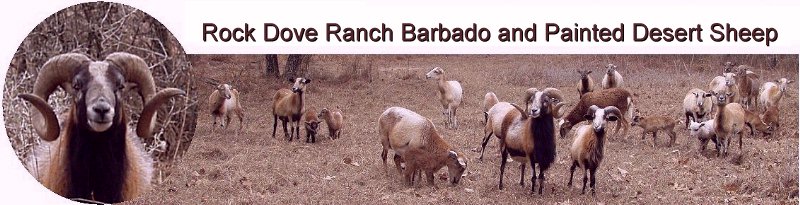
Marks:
<point>306,80</point>
<point>453,154</point>
<point>589,72</point>
<point>291,80</point>
<point>707,95</point>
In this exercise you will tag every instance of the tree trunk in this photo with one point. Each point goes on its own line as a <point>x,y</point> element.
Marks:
<point>293,65</point>
<point>272,65</point>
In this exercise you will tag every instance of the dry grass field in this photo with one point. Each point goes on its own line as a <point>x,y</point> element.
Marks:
<point>254,168</point>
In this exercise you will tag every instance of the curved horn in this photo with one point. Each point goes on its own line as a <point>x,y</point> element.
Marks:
<point>144,127</point>
<point>528,94</point>
<point>57,71</point>
<point>524,113</point>
<point>559,101</point>
<point>613,111</point>
<point>135,70</point>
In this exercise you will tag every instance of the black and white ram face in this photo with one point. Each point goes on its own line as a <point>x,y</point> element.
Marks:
<point>224,90</point>
<point>541,104</point>
<point>299,84</point>
<point>435,73</point>
<point>97,91</point>
<point>599,116</point>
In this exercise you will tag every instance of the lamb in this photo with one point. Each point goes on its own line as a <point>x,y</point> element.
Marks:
<point>529,136</point>
<point>617,97</point>
<point>696,105</point>
<point>771,93</point>
<point>730,121</point>
<point>416,142</point>
<point>312,124</point>
<point>287,105</point>
<point>586,84</point>
<point>93,154</point>
<point>703,131</point>
<point>334,121</point>
<point>654,124</point>
<point>489,100</point>
<point>612,78</point>
<point>450,95</point>
<point>225,102</point>
<point>588,145</point>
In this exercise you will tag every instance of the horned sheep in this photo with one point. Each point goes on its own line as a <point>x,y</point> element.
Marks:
<point>617,97</point>
<point>588,145</point>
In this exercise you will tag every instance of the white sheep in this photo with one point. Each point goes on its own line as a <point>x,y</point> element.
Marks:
<point>450,95</point>
<point>489,100</point>
<point>224,102</point>
<point>771,93</point>
<point>612,78</point>
<point>697,105</point>
<point>703,131</point>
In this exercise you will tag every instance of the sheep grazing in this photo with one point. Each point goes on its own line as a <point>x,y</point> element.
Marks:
<point>334,121</point>
<point>93,154</point>
<point>225,102</point>
<point>754,122</point>
<point>312,124</point>
<point>489,100</point>
<point>770,117</point>
<point>586,84</point>
<point>450,95</point>
<point>587,148</point>
<point>771,93</point>
<point>703,131</point>
<point>696,105</point>
<point>617,97</point>
<point>730,121</point>
<point>287,105</point>
<point>654,124</point>
<point>416,142</point>
<point>529,136</point>
<point>612,78</point>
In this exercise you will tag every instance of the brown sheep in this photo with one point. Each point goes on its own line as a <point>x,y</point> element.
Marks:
<point>334,121</point>
<point>312,124</point>
<point>225,102</point>
<point>729,121</point>
<point>654,124</point>
<point>416,142</point>
<point>586,84</point>
<point>287,105</point>
<point>588,145</point>
<point>617,97</point>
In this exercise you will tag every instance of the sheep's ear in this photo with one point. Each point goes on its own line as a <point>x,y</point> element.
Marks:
<point>789,82</point>
<point>695,94</point>
<point>707,95</point>
<point>588,116</point>
<point>453,154</point>
<point>291,80</point>
<point>702,124</point>
<point>612,118</point>
<point>306,80</point>
<point>589,72</point>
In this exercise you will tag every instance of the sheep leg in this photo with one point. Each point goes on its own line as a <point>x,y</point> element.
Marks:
<point>585,172</point>
<point>240,114</point>
<point>429,177</point>
<point>541,179</point>
<point>572,172</point>
<point>454,117</point>
<point>503,158</point>
<point>655,132</point>
<point>286,131</point>
<point>409,174</point>
<point>398,162</point>
<point>274,124</point>
<point>533,172</point>
<point>522,175</point>
<point>483,144</point>
<point>227,121</point>
<point>688,115</point>
<point>672,137</point>
<point>592,179</point>
<point>214,126</point>
<point>296,131</point>
<point>740,139</point>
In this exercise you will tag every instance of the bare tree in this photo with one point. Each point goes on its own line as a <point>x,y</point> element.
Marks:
<point>294,65</point>
<point>272,65</point>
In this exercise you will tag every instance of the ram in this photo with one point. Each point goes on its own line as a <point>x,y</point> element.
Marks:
<point>417,143</point>
<point>225,102</point>
<point>93,154</point>
<point>287,106</point>
<point>589,142</point>
<point>617,97</point>
<point>450,96</point>
<point>528,136</point>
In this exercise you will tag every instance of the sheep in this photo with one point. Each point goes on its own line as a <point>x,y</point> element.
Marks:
<point>728,67</point>
<point>312,124</point>
<point>496,114</point>
<point>588,145</point>
<point>703,131</point>
<point>529,136</point>
<point>224,101</point>
<point>489,100</point>
<point>287,105</point>
<point>654,124</point>
<point>755,122</point>
<point>730,121</point>
<point>415,141</point>
<point>93,154</point>
<point>725,83</point>
<point>617,97</point>
<point>745,80</point>
<point>612,78</point>
<point>696,105</point>
<point>586,84</point>
<point>771,93</point>
<point>450,95</point>
<point>334,121</point>
<point>770,117</point>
